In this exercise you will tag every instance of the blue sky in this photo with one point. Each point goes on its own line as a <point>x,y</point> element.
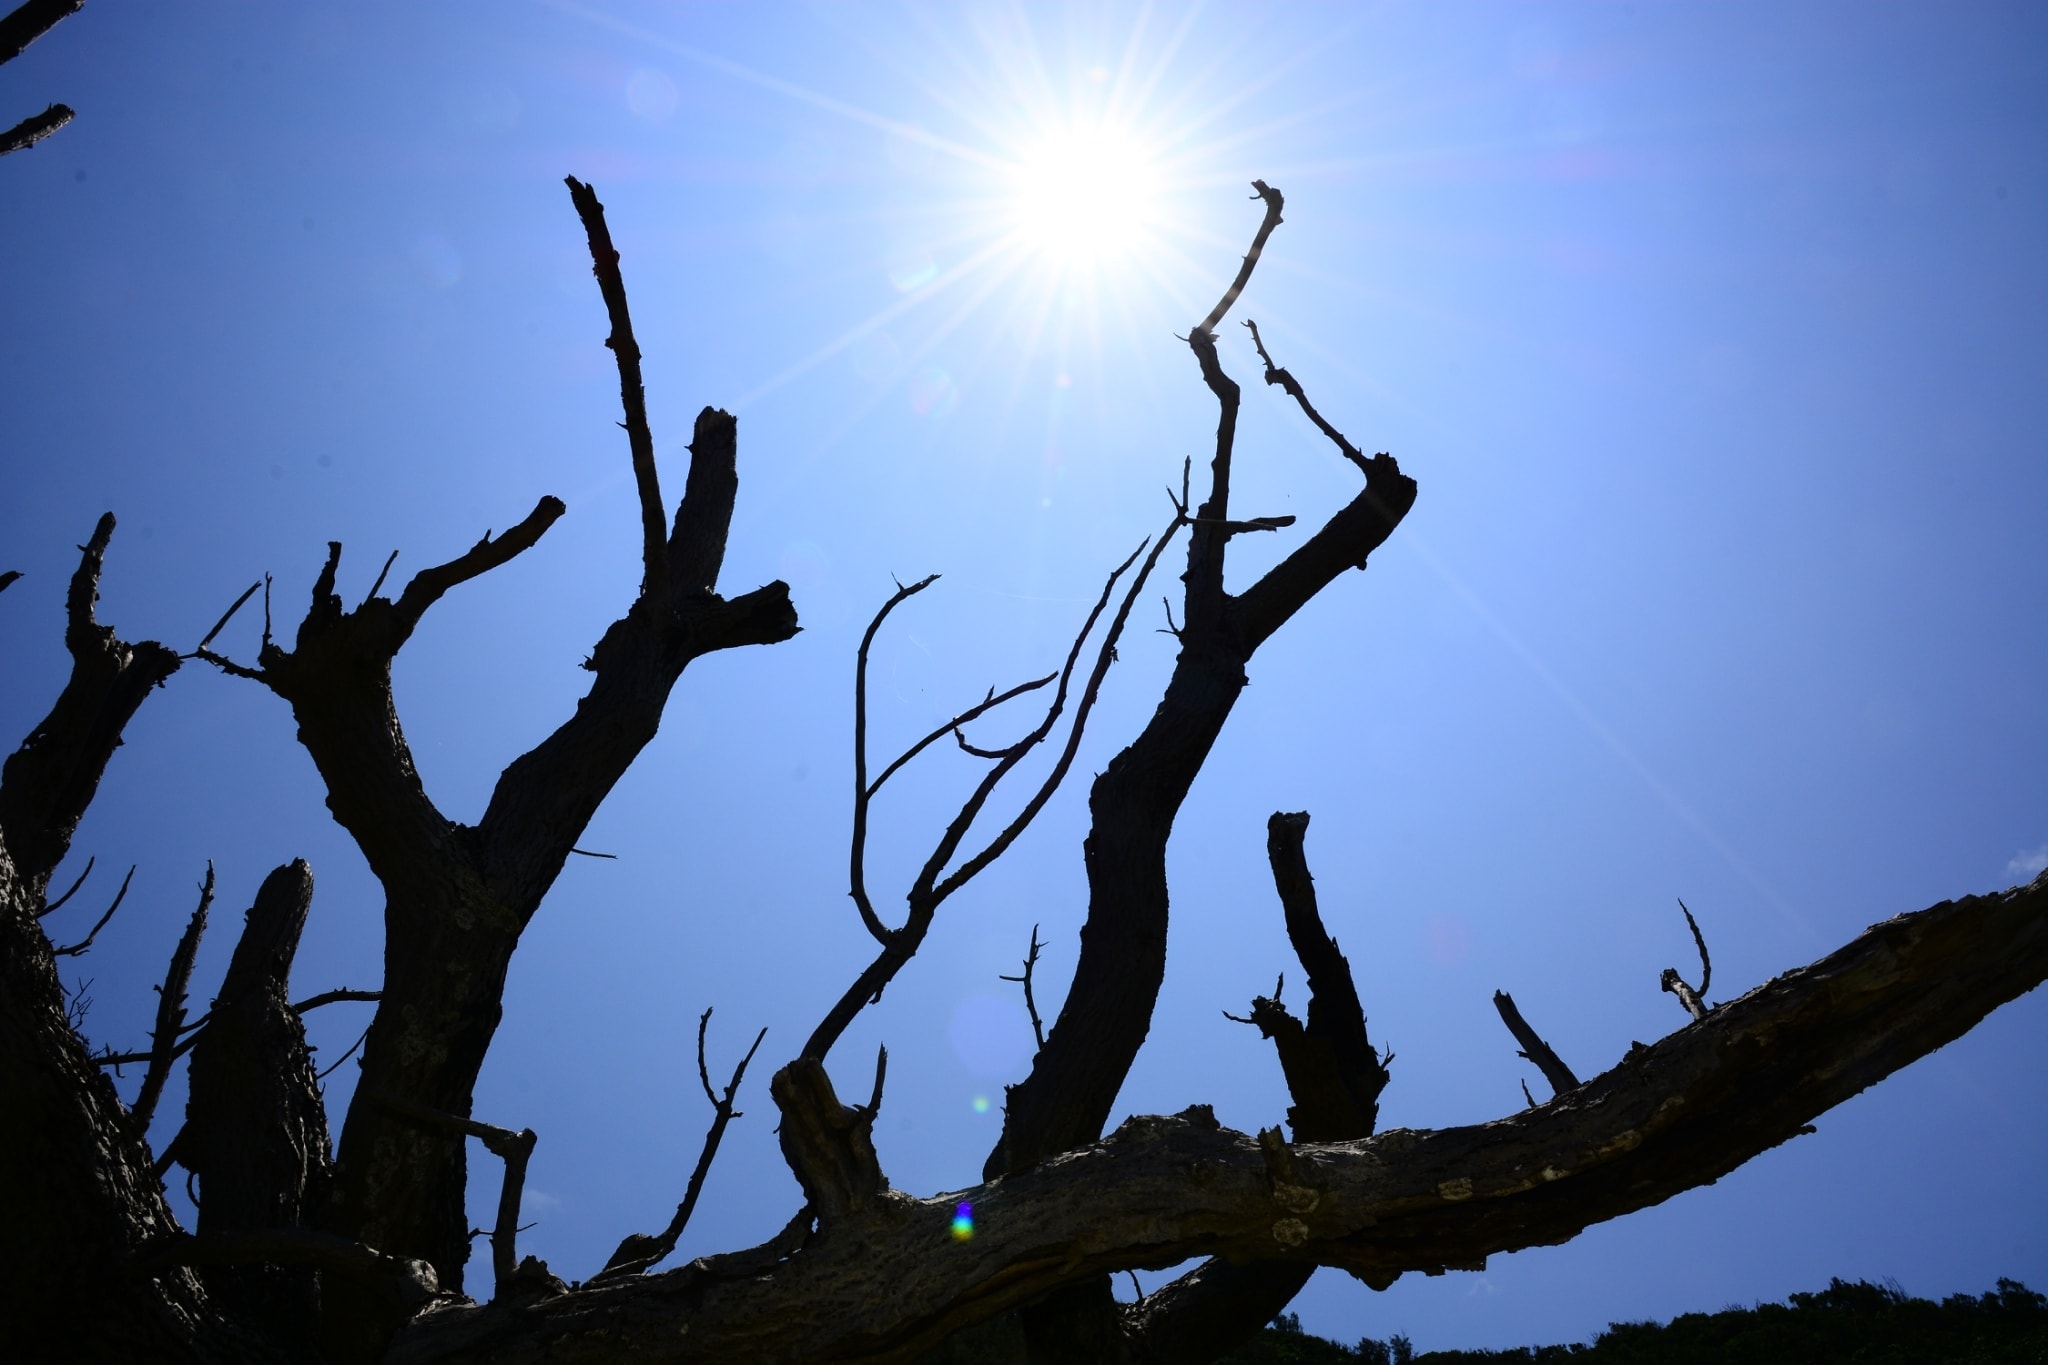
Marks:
<point>1715,336</point>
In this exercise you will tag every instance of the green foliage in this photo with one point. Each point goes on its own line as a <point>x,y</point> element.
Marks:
<point>1844,1324</point>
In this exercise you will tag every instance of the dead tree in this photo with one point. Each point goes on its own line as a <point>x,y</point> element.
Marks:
<point>362,1257</point>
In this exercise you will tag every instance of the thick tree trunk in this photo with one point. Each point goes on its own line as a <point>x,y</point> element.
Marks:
<point>255,1130</point>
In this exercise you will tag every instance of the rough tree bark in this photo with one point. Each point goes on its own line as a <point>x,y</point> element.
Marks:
<point>294,1259</point>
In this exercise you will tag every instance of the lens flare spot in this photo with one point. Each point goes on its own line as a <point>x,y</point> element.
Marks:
<point>932,392</point>
<point>963,1222</point>
<point>981,1104</point>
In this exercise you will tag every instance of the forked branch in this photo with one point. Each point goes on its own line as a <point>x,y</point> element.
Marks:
<point>639,1252</point>
<point>929,891</point>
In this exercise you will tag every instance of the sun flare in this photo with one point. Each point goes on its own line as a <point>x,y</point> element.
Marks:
<point>1085,195</point>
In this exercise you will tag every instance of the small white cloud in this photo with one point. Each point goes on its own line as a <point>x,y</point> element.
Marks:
<point>2029,863</point>
<point>536,1200</point>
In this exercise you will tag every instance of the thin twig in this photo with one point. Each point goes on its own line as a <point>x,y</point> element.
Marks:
<point>586,853</point>
<point>333,997</point>
<point>54,905</point>
<point>352,1048</point>
<point>1533,1047</point>
<point>1276,375</point>
<point>873,1107</point>
<point>862,792</point>
<point>170,1011</point>
<point>928,892</point>
<point>1030,1005</point>
<point>389,560</point>
<point>227,616</point>
<point>78,949</point>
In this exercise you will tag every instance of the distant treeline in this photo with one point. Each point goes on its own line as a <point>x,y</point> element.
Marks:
<point>1867,1324</point>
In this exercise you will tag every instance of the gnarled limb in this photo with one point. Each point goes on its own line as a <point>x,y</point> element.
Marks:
<point>884,1284</point>
<point>48,782</point>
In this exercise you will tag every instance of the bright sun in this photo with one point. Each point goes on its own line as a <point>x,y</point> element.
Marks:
<point>1085,195</point>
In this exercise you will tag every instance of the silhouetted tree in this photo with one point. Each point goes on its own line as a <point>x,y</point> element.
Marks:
<point>362,1257</point>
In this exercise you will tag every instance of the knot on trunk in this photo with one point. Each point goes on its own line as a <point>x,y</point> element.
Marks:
<point>827,1144</point>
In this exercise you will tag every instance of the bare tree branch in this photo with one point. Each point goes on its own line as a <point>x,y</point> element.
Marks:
<point>333,997</point>
<point>604,261</point>
<point>227,616</point>
<point>51,907</point>
<point>170,1011</point>
<point>35,128</point>
<point>428,585</point>
<point>79,948</point>
<point>638,1252</point>
<point>1276,375</point>
<point>928,892</point>
<point>1695,1001</point>
<point>1534,1049</point>
<point>1274,202</point>
<point>30,21</point>
<point>862,792</point>
<point>1031,1005</point>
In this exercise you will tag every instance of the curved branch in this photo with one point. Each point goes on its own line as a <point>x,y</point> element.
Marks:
<point>927,893</point>
<point>862,791</point>
<point>1274,203</point>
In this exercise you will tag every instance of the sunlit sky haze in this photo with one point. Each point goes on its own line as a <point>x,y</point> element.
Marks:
<point>1715,336</point>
